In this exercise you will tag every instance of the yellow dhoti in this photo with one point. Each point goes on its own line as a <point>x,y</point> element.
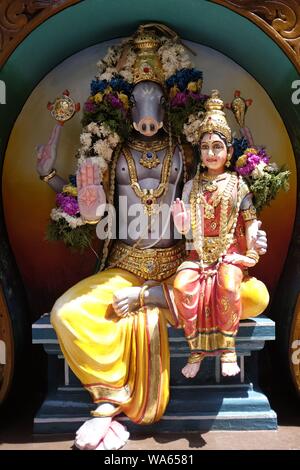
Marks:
<point>124,361</point>
<point>109,355</point>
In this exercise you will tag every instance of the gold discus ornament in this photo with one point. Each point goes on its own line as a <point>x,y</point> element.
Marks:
<point>63,108</point>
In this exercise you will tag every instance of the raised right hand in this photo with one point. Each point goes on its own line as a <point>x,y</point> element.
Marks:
<point>91,195</point>
<point>180,216</point>
<point>46,154</point>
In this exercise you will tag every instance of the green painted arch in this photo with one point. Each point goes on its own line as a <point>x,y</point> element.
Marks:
<point>93,21</point>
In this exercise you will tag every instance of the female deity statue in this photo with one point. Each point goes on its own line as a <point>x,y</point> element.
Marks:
<point>222,221</point>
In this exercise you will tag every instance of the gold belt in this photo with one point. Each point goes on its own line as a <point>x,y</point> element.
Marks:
<point>156,264</point>
<point>213,247</point>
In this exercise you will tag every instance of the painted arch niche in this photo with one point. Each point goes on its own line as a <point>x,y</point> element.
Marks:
<point>48,269</point>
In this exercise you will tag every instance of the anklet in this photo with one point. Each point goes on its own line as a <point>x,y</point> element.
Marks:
<point>195,357</point>
<point>229,357</point>
<point>103,414</point>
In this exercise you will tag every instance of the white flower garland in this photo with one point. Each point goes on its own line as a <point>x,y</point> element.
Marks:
<point>191,128</point>
<point>173,57</point>
<point>57,214</point>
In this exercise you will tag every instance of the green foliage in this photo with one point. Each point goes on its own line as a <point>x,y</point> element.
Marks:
<point>265,188</point>
<point>78,238</point>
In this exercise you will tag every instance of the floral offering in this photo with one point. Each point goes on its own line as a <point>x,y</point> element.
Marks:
<point>185,98</point>
<point>264,178</point>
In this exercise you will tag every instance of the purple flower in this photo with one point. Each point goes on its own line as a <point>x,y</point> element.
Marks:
<point>253,160</point>
<point>245,170</point>
<point>114,101</point>
<point>264,156</point>
<point>194,96</point>
<point>68,204</point>
<point>179,99</point>
<point>89,107</point>
<point>197,96</point>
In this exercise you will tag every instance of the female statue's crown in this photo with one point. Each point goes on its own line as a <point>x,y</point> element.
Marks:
<point>147,65</point>
<point>215,118</point>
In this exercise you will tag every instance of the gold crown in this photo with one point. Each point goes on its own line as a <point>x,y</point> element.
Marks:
<point>147,65</point>
<point>215,118</point>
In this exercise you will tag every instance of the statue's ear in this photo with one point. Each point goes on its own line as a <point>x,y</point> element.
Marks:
<point>231,150</point>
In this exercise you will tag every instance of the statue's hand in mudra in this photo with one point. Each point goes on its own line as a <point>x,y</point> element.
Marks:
<point>91,195</point>
<point>261,243</point>
<point>46,154</point>
<point>126,301</point>
<point>180,216</point>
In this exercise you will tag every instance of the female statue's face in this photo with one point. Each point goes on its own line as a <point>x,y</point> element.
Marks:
<point>213,152</point>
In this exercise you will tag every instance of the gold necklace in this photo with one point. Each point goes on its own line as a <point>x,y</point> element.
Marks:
<point>149,196</point>
<point>209,207</point>
<point>210,182</point>
<point>149,158</point>
<point>211,249</point>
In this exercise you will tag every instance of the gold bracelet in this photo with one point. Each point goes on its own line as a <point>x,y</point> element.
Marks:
<point>48,177</point>
<point>92,222</point>
<point>195,357</point>
<point>253,255</point>
<point>142,295</point>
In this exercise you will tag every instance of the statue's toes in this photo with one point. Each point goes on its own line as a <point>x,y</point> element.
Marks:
<point>89,436</point>
<point>85,442</point>
<point>120,430</point>
<point>111,441</point>
<point>100,446</point>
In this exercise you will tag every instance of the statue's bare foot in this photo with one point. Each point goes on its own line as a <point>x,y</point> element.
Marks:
<point>93,431</point>
<point>191,370</point>
<point>115,438</point>
<point>229,369</point>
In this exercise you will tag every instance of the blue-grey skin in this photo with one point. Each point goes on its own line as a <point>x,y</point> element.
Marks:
<point>147,118</point>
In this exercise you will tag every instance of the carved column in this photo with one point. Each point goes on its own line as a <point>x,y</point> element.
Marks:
<point>19,17</point>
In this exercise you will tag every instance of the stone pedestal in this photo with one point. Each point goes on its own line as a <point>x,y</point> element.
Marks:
<point>209,401</point>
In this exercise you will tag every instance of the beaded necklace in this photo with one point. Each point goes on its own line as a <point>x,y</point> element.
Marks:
<point>212,249</point>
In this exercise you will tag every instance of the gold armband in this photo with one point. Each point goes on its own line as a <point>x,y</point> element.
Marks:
<point>249,214</point>
<point>48,177</point>
<point>253,255</point>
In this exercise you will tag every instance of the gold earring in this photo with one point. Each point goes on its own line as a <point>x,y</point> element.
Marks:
<point>227,164</point>
<point>202,164</point>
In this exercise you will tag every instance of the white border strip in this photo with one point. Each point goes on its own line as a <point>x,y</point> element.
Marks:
<point>220,416</point>
<point>44,341</point>
<point>46,325</point>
